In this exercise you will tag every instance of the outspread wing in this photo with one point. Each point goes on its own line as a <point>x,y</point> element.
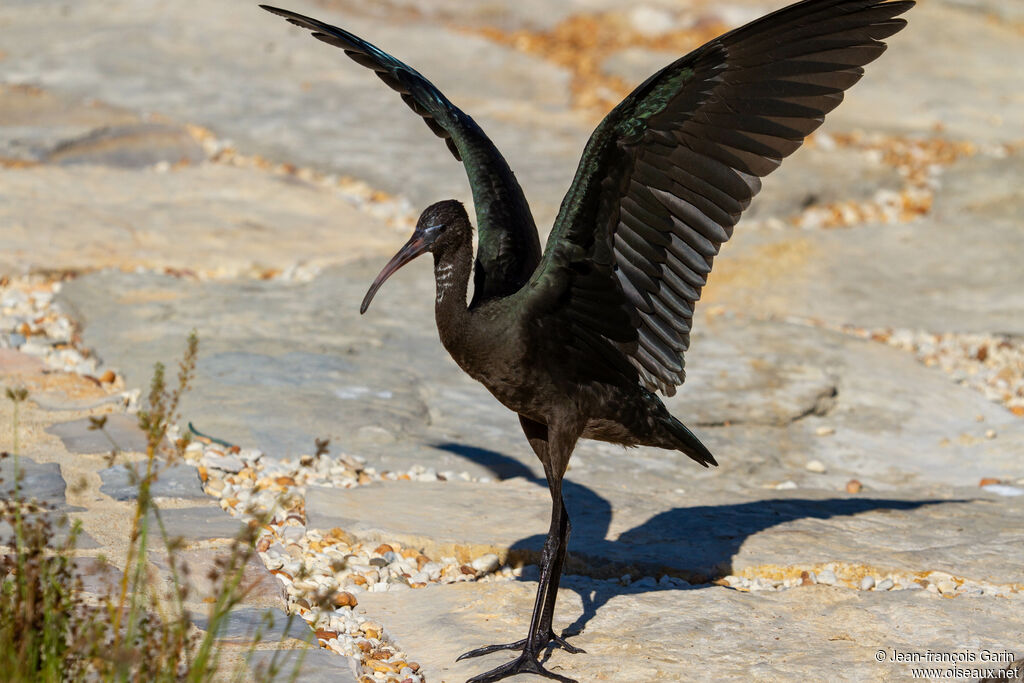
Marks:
<point>666,175</point>
<point>509,248</point>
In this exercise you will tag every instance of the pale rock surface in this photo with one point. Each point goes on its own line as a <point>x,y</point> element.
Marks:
<point>678,635</point>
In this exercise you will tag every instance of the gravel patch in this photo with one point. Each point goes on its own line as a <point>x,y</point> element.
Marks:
<point>325,572</point>
<point>32,323</point>
<point>859,577</point>
<point>397,212</point>
<point>990,363</point>
<point>919,161</point>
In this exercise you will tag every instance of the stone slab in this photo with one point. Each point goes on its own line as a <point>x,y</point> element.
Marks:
<point>58,532</point>
<point>48,390</point>
<point>710,633</point>
<point>270,624</point>
<point>13,364</point>
<point>302,100</point>
<point>887,424</point>
<point>120,432</point>
<point>198,523</point>
<point>938,273</point>
<point>190,219</point>
<point>178,481</point>
<point>281,365</point>
<point>534,15</point>
<point>310,664</point>
<point>33,120</point>
<point>41,481</point>
<point>98,578</point>
<point>697,536</point>
<point>262,589</point>
<point>129,146</point>
<point>38,480</point>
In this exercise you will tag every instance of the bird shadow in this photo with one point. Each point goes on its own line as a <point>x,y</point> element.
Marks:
<point>697,543</point>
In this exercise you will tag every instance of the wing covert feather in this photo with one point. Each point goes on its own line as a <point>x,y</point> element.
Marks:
<point>509,248</point>
<point>667,174</point>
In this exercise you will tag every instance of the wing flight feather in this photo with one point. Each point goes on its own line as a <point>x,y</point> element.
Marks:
<point>508,248</point>
<point>666,176</point>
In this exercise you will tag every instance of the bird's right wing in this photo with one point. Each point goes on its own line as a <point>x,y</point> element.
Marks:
<point>509,248</point>
<point>667,174</point>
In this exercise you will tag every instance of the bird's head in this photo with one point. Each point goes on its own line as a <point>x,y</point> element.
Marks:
<point>441,228</point>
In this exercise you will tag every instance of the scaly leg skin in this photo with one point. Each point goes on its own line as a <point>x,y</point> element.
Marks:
<point>532,646</point>
<point>551,637</point>
<point>546,635</point>
<point>552,591</point>
<point>552,558</point>
<point>527,662</point>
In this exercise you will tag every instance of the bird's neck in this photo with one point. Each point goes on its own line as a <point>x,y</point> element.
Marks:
<point>451,277</point>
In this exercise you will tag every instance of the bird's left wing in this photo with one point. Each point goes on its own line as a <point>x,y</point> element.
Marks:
<point>509,248</point>
<point>666,175</point>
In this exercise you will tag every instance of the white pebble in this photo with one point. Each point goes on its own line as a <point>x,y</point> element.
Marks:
<point>226,463</point>
<point>827,577</point>
<point>867,583</point>
<point>486,563</point>
<point>293,534</point>
<point>1003,490</point>
<point>34,349</point>
<point>884,585</point>
<point>815,466</point>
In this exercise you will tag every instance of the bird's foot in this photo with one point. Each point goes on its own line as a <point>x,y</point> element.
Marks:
<point>520,644</point>
<point>525,663</point>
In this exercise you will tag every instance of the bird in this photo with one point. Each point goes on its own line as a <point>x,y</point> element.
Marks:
<point>579,340</point>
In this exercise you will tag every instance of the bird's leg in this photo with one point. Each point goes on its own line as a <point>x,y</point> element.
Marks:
<point>551,594</point>
<point>552,558</point>
<point>543,602</point>
<point>537,435</point>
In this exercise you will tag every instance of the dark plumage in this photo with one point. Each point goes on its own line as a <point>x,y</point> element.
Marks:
<point>576,340</point>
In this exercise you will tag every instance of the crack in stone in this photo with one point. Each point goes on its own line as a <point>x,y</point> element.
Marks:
<point>821,406</point>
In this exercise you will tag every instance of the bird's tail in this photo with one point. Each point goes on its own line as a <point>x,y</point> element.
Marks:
<point>688,443</point>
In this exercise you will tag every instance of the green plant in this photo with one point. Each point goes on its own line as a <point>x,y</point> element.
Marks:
<point>51,629</point>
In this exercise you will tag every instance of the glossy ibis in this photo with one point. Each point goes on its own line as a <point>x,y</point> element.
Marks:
<point>577,340</point>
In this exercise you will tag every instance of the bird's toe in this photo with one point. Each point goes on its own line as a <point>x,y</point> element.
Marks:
<point>525,663</point>
<point>564,644</point>
<point>488,649</point>
<point>551,639</point>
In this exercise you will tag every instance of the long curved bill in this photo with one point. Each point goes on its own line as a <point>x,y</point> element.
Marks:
<point>416,245</point>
